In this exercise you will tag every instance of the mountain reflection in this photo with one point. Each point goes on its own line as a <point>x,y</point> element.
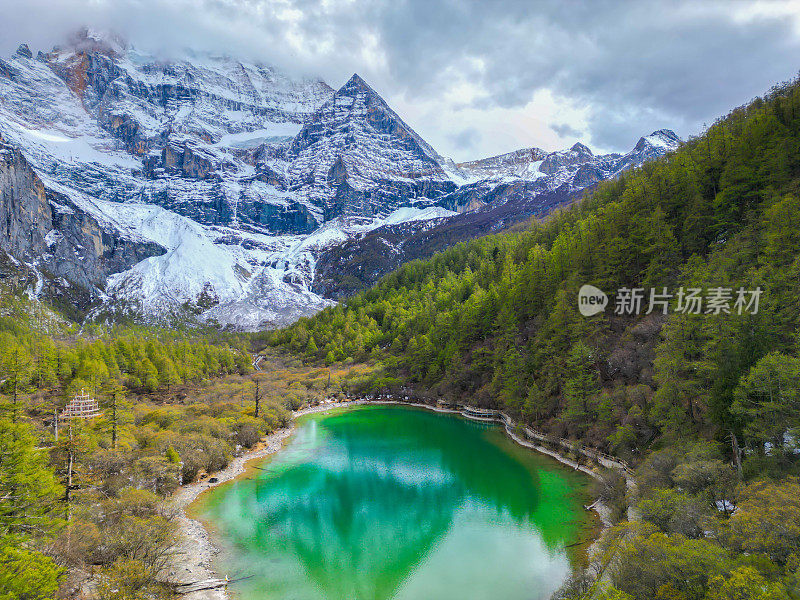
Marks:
<point>359,500</point>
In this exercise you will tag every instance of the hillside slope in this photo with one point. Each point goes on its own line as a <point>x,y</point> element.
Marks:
<point>496,320</point>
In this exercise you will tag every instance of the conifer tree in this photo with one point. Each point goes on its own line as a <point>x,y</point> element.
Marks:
<point>28,489</point>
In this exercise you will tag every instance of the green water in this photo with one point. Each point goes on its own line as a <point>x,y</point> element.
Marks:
<point>390,502</point>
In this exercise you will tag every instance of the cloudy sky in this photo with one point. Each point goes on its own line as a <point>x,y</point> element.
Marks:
<point>478,77</point>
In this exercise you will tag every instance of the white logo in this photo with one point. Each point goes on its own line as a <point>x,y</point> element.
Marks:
<point>591,300</point>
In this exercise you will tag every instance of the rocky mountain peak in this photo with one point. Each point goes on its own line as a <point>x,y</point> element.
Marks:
<point>667,134</point>
<point>576,155</point>
<point>357,158</point>
<point>357,84</point>
<point>23,50</point>
<point>355,110</point>
<point>661,138</point>
<point>518,163</point>
<point>581,149</point>
<point>87,40</point>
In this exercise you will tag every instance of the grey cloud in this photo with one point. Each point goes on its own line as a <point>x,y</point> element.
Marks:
<point>565,130</point>
<point>466,139</point>
<point>637,65</point>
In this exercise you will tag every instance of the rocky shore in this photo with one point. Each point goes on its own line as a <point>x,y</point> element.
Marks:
<point>193,560</point>
<point>196,552</point>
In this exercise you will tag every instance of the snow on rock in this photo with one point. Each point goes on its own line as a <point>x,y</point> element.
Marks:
<point>244,175</point>
<point>254,280</point>
<point>567,170</point>
<point>403,215</point>
<point>192,264</point>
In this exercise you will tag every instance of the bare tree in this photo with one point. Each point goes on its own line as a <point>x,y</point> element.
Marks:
<point>258,393</point>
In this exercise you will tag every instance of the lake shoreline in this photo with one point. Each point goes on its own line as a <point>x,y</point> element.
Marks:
<point>196,551</point>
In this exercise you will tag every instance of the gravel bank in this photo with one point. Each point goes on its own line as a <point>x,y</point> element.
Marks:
<point>196,551</point>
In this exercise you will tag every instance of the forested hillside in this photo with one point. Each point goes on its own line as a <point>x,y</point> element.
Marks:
<point>706,402</point>
<point>84,506</point>
<point>496,320</point>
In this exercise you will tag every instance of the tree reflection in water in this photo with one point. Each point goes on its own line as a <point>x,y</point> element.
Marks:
<point>360,502</point>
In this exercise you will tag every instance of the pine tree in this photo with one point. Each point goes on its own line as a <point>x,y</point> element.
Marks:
<point>116,393</point>
<point>168,376</point>
<point>28,489</point>
<point>26,574</point>
<point>257,394</point>
<point>581,386</point>
<point>16,369</point>
<point>769,398</point>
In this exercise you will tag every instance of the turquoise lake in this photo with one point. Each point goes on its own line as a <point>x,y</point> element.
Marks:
<point>382,502</point>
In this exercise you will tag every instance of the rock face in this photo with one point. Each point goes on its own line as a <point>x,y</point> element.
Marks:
<point>565,172</point>
<point>185,135</point>
<point>48,233</point>
<point>228,190</point>
<point>512,188</point>
<point>520,164</point>
<point>357,158</point>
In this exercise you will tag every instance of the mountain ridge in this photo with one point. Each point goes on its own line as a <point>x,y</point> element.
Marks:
<point>259,176</point>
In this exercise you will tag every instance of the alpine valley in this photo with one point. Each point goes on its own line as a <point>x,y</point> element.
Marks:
<point>211,189</point>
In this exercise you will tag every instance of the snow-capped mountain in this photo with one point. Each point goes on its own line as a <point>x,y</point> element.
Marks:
<point>521,164</point>
<point>213,187</point>
<point>510,188</point>
<point>358,158</point>
<point>566,171</point>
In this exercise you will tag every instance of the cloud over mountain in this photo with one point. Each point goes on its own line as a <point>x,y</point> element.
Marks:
<point>520,74</point>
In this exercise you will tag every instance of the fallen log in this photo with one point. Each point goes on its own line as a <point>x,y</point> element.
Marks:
<point>205,584</point>
<point>197,586</point>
